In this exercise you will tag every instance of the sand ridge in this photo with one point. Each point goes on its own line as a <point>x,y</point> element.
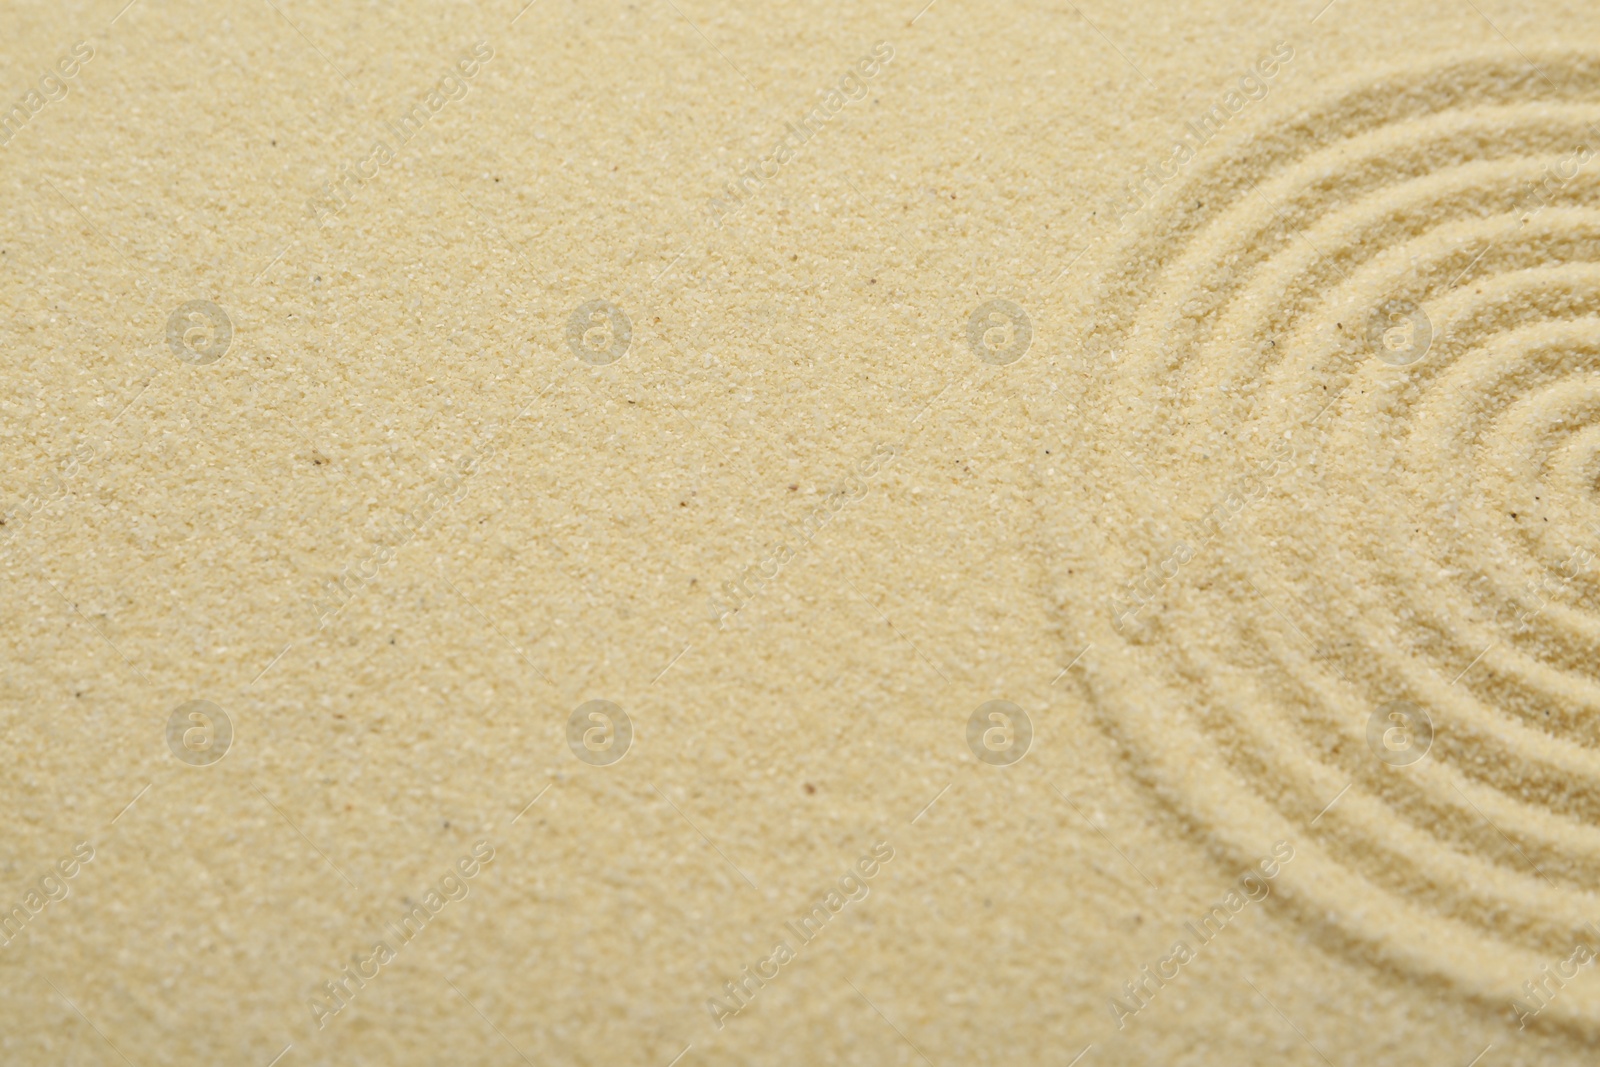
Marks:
<point>1373,344</point>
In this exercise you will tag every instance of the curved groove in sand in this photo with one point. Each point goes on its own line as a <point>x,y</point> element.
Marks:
<point>1435,538</point>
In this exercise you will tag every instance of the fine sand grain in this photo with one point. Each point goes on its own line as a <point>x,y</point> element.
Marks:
<point>677,534</point>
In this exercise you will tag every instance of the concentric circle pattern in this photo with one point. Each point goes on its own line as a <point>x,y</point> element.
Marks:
<point>1346,391</point>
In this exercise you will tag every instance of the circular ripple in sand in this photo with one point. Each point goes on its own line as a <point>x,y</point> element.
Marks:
<point>1345,445</point>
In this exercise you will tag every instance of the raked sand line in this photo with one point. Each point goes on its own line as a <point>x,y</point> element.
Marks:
<point>1356,355</point>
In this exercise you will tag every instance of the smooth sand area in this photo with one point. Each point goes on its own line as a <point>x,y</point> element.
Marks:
<point>671,533</point>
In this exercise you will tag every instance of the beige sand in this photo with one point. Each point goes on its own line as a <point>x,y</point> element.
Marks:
<point>784,534</point>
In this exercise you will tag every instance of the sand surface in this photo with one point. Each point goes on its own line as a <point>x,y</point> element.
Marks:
<point>676,534</point>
